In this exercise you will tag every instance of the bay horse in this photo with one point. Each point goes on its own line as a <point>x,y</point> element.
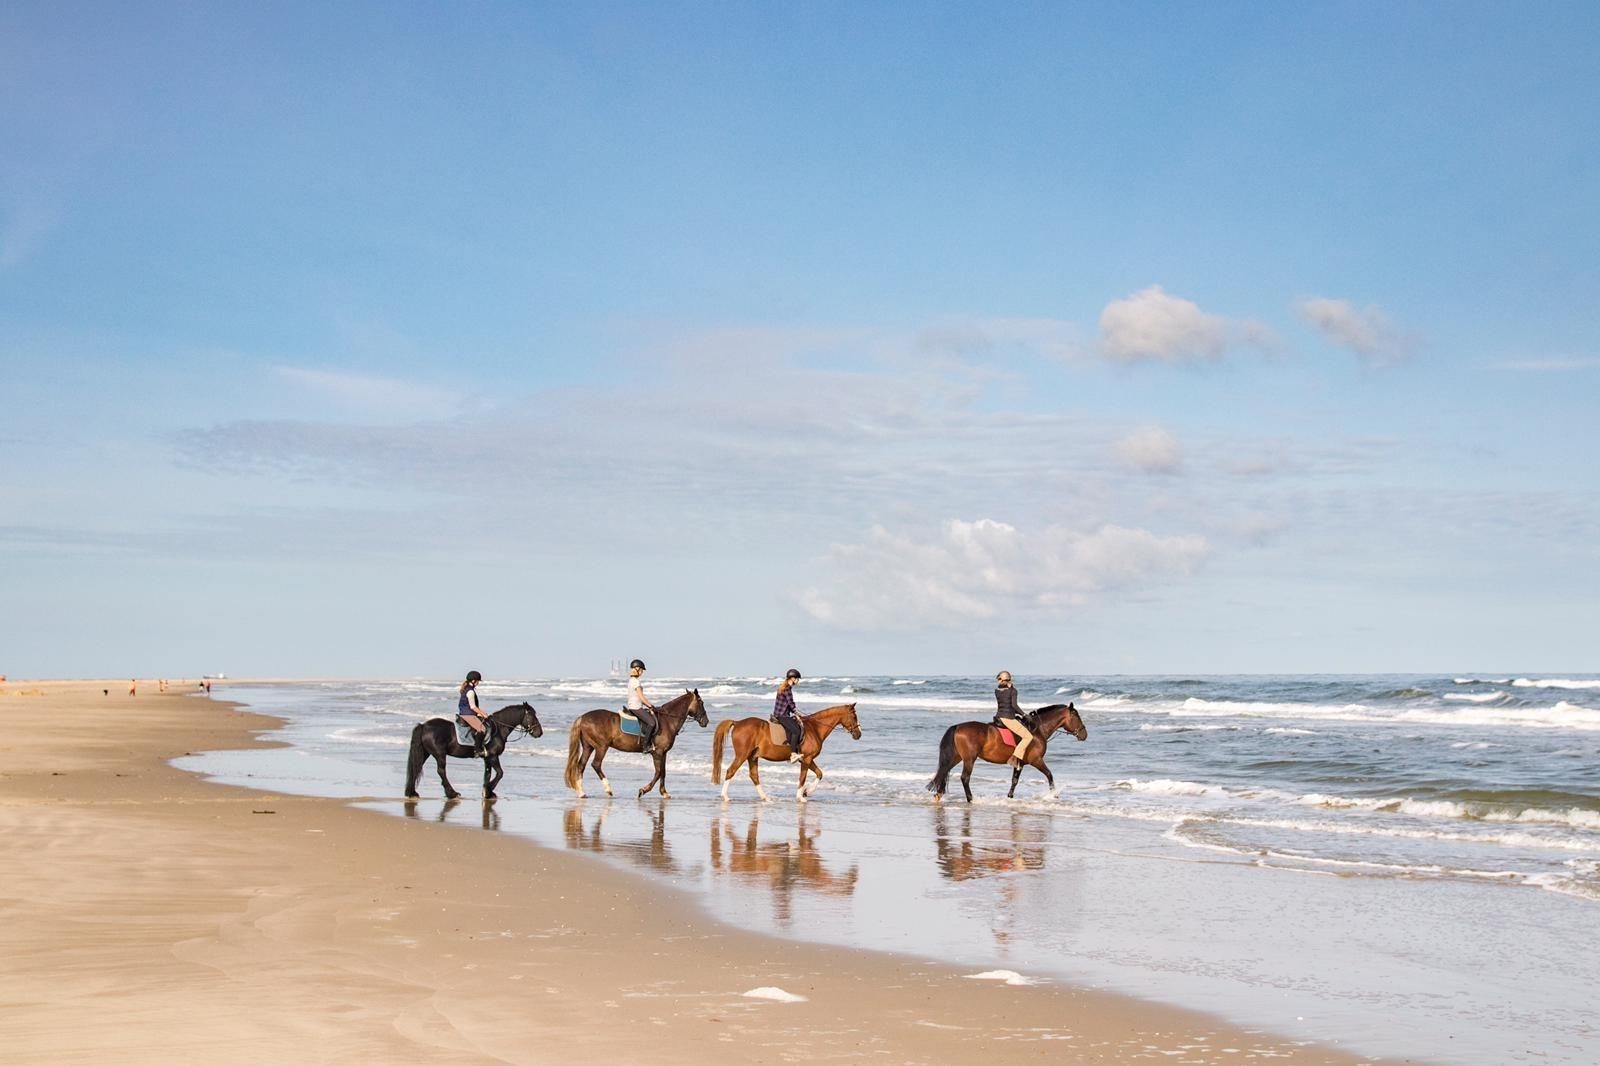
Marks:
<point>967,742</point>
<point>752,742</point>
<point>437,738</point>
<point>596,732</point>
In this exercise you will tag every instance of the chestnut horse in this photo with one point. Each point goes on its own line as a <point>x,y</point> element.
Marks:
<point>596,732</point>
<point>752,742</point>
<point>967,742</point>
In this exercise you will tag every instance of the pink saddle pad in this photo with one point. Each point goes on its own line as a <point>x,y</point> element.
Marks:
<point>1007,735</point>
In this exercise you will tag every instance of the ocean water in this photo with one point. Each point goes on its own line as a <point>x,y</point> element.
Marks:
<point>1402,865</point>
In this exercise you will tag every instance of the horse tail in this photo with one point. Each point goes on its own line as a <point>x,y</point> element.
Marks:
<point>415,760</point>
<point>574,753</point>
<point>947,759</point>
<point>716,749</point>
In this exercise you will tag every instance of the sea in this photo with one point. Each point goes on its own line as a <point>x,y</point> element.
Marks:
<point>1401,865</point>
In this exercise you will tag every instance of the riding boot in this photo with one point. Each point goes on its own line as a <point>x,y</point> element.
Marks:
<point>480,745</point>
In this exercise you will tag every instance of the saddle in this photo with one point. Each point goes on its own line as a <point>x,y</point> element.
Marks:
<point>778,734</point>
<point>464,734</point>
<point>630,724</point>
<point>1007,737</point>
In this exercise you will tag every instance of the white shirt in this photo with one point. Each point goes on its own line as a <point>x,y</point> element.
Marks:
<point>635,694</point>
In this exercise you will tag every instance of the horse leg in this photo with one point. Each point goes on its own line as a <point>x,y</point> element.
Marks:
<point>584,751</point>
<point>600,757</point>
<point>661,774</point>
<point>815,769</point>
<point>449,792</point>
<point>800,788</point>
<point>755,776</point>
<point>1016,773</point>
<point>1049,778</point>
<point>966,776</point>
<point>656,761</point>
<point>491,763</point>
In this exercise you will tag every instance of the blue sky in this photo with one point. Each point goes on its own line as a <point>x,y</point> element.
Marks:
<point>869,338</point>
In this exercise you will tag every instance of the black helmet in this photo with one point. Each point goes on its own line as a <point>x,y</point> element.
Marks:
<point>473,675</point>
<point>637,664</point>
<point>792,675</point>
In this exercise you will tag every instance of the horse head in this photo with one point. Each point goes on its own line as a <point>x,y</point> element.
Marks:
<point>1073,724</point>
<point>697,708</point>
<point>849,721</point>
<point>530,721</point>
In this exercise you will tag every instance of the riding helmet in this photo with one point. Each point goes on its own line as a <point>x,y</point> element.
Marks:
<point>793,674</point>
<point>637,664</point>
<point>473,675</point>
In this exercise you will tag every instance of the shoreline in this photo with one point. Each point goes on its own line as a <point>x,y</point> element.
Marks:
<point>184,915</point>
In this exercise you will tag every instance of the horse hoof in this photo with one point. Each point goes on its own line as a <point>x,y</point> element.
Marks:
<point>666,795</point>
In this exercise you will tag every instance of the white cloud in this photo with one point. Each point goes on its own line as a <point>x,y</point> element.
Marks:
<point>372,395</point>
<point>1365,331</point>
<point>1151,449</point>
<point>1155,325</point>
<point>971,571</point>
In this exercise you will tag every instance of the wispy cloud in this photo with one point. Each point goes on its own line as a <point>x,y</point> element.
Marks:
<point>372,395</point>
<point>1550,366</point>
<point>1152,449</point>
<point>23,227</point>
<point>973,570</point>
<point>1366,331</point>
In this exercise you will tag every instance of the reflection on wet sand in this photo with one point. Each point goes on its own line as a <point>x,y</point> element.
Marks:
<point>782,865</point>
<point>588,834</point>
<point>998,860</point>
<point>448,809</point>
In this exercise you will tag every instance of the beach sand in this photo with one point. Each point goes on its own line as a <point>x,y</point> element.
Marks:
<point>149,915</point>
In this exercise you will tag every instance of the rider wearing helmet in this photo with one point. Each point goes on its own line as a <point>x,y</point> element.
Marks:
<point>468,711</point>
<point>784,714</point>
<point>1010,715</point>
<point>640,706</point>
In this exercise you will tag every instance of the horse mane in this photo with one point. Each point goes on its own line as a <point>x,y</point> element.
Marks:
<point>674,703</point>
<point>825,710</point>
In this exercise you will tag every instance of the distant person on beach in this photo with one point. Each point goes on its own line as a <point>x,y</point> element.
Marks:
<point>1010,716</point>
<point>133,686</point>
<point>208,688</point>
<point>784,713</point>
<point>640,706</point>
<point>468,711</point>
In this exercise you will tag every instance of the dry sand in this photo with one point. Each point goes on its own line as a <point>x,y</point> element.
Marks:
<point>151,916</point>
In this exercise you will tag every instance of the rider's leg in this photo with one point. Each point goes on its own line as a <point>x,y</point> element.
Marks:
<point>480,736</point>
<point>1023,739</point>
<point>796,734</point>
<point>647,727</point>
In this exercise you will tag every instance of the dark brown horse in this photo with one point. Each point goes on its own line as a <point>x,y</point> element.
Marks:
<point>967,742</point>
<point>752,741</point>
<point>596,732</point>
<point>437,738</point>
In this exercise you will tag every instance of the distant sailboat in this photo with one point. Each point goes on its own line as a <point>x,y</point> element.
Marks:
<point>616,667</point>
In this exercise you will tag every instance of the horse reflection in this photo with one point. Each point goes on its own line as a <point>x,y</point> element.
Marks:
<point>783,865</point>
<point>585,835</point>
<point>1001,858</point>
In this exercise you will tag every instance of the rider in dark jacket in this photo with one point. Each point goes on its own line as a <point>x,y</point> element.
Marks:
<point>1010,715</point>
<point>784,713</point>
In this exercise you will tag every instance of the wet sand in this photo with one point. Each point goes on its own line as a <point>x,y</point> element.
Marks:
<point>150,914</point>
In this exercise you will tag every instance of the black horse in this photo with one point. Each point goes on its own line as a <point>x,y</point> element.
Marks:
<point>437,737</point>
